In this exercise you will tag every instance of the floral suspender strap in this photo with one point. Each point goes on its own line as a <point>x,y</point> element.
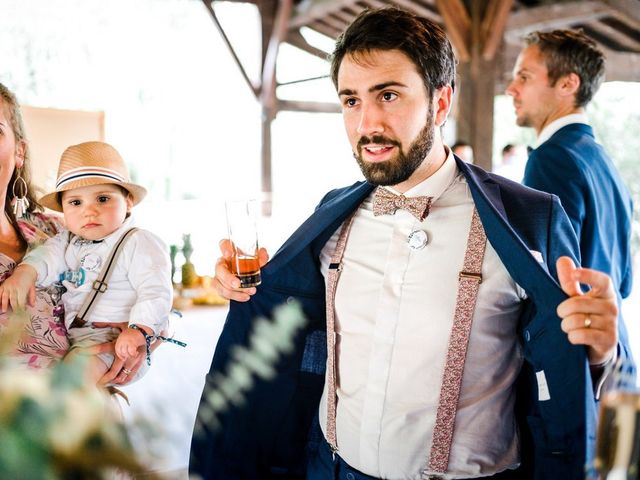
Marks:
<point>469,281</point>
<point>335,268</point>
<point>100,285</point>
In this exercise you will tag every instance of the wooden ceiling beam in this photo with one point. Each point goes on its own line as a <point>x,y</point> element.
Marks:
<point>295,38</point>
<point>278,34</point>
<point>343,16</point>
<point>317,11</point>
<point>324,29</point>
<point>375,3</point>
<point>561,15</point>
<point>632,22</point>
<point>614,37</point>
<point>458,25</point>
<point>493,26</point>
<point>332,22</point>
<point>627,9</point>
<point>418,9</point>
<point>623,67</point>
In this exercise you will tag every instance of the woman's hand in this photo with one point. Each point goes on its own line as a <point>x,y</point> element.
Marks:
<point>19,289</point>
<point>225,282</point>
<point>121,371</point>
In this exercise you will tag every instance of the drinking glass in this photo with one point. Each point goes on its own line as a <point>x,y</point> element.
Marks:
<point>242,219</point>
<point>618,440</point>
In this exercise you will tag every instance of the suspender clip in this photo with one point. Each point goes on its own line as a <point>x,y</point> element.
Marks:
<point>335,266</point>
<point>471,275</point>
<point>334,450</point>
<point>100,286</point>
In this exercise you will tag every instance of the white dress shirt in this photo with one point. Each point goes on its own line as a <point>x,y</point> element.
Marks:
<point>140,290</point>
<point>394,313</point>
<point>548,131</point>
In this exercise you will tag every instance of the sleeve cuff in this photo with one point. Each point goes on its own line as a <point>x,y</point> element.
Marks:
<point>600,372</point>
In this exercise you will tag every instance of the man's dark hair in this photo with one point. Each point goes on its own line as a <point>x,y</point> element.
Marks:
<point>507,148</point>
<point>460,143</point>
<point>570,51</point>
<point>423,41</point>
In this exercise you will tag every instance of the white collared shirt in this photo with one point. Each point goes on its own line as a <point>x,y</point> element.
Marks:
<point>140,290</point>
<point>548,131</point>
<point>394,312</point>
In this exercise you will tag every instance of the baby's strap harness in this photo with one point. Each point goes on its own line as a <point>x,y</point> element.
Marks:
<point>100,286</point>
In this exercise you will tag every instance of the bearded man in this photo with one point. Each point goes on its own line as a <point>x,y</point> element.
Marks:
<point>430,352</point>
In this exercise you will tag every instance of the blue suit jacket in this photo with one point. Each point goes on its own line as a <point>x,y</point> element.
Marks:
<point>574,167</point>
<point>272,434</point>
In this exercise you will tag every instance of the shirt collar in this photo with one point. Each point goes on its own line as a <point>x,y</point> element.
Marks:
<point>437,183</point>
<point>113,237</point>
<point>558,123</point>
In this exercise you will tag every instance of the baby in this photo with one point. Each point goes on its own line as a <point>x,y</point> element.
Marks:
<point>94,193</point>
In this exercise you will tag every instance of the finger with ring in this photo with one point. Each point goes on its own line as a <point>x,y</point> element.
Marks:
<point>587,321</point>
<point>126,371</point>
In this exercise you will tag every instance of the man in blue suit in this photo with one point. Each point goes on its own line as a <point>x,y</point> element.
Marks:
<point>555,77</point>
<point>440,342</point>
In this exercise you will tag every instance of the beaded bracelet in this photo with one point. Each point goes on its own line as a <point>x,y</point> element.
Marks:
<point>150,338</point>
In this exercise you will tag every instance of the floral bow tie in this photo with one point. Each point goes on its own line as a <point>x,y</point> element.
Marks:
<point>385,202</point>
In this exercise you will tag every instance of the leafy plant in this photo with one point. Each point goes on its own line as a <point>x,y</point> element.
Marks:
<point>269,339</point>
<point>55,425</point>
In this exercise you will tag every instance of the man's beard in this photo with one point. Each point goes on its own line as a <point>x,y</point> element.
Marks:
<point>398,169</point>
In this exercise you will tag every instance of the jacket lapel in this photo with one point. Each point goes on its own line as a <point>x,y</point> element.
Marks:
<point>515,255</point>
<point>328,216</point>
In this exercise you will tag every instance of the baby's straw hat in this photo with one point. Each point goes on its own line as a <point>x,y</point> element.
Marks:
<point>91,163</point>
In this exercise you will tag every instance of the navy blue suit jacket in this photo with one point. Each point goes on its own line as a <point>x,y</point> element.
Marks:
<point>272,434</point>
<point>574,167</point>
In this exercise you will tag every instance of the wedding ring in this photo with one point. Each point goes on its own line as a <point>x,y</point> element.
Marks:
<point>587,321</point>
<point>126,371</point>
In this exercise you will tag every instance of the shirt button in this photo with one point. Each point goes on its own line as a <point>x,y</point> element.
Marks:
<point>351,476</point>
<point>527,335</point>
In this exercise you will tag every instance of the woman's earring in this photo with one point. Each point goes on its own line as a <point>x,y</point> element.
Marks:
<point>20,202</point>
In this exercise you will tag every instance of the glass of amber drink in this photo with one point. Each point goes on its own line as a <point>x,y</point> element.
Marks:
<point>618,442</point>
<point>242,223</point>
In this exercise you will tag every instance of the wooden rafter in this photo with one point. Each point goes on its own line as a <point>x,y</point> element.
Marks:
<point>295,38</point>
<point>325,29</point>
<point>254,88</point>
<point>561,15</point>
<point>624,67</point>
<point>627,9</point>
<point>278,35</point>
<point>458,25</point>
<point>418,9</point>
<point>611,37</point>
<point>318,11</point>
<point>493,25</point>
<point>332,22</point>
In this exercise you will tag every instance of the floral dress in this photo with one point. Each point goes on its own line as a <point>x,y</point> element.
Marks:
<point>44,341</point>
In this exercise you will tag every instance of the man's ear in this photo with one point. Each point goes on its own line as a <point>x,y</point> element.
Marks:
<point>21,151</point>
<point>129,200</point>
<point>442,104</point>
<point>568,85</point>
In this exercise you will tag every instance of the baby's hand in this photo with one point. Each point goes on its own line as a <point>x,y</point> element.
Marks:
<point>19,288</point>
<point>129,341</point>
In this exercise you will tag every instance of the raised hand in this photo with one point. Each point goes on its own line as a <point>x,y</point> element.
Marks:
<point>589,318</point>
<point>225,282</point>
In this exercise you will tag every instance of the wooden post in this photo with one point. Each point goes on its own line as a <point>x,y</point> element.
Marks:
<point>477,79</point>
